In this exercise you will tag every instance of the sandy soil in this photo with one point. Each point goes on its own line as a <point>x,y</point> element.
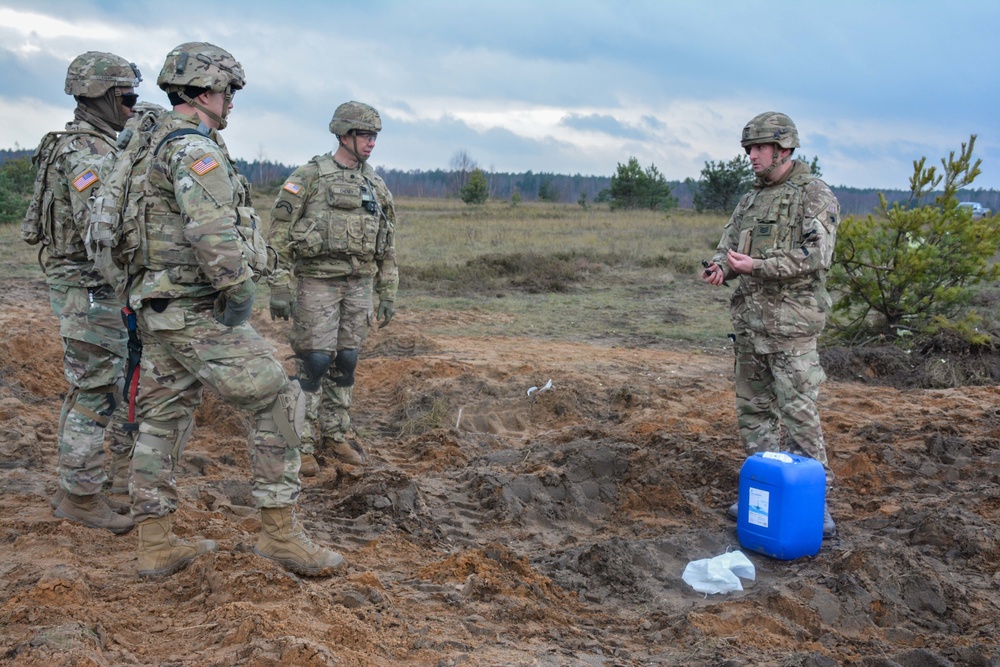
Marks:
<point>494,528</point>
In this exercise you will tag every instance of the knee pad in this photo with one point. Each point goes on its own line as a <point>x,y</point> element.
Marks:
<point>288,414</point>
<point>315,364</point>
<point>174,439</point>
<point>101,417</point>
<point>345,363</point>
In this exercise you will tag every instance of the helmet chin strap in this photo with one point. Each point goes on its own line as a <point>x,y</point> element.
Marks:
<point>775,162</point>
<point>354,151</point>
<point>221,120</point>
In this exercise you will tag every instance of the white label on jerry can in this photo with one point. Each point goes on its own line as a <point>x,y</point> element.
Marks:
<point>778,456</point>
<point>759,501</point>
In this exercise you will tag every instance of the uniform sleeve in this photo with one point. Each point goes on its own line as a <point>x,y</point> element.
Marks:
<point>207,194</point>
<point>821,215</point>
<point>387,278</point>
<point>82,167</point>
<point>288,208</point>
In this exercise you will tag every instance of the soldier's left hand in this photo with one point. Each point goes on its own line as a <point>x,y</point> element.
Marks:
<point>385,312</point>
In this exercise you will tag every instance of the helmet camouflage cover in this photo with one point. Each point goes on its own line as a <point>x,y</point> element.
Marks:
<point>355,116</point>
<point>201,65</point>
<point>770,127</point>
<point>94,72</point>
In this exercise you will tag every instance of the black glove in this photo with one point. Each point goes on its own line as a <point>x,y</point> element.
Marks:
<point>234,309</point>
<point>385,312</point>
<point>282,302</point>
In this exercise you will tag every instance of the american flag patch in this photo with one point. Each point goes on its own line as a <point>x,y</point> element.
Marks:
<point>85,180</point>
<point>204,165</point>
<point>294,188</point>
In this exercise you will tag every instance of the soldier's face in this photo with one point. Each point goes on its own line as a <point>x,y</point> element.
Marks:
<point>217,103</point>
<point>762,156</point>
<point>128,99</point>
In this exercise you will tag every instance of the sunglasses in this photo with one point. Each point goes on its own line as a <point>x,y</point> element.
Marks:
<point>129,99</point>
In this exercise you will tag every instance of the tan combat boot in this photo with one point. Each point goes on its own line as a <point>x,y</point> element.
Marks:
<point>119,473</point>
<point>282,539</point>
<point>93,512</point>
<point>309,468</point>
<point>161,552</point>
<point>114,505</point>
<point>344,451</point>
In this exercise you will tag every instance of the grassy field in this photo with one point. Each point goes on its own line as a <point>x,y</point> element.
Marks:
<point>554,270</point>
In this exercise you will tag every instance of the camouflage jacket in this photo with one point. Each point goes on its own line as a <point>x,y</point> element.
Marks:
<point>790,229</point>
<point>69,169</point>
<point>201,234</point>
<point>330,221</point>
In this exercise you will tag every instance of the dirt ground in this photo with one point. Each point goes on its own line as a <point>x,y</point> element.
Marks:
<point>497,528</point>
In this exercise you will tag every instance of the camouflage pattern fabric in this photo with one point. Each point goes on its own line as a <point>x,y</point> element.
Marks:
<point>778,311</point>
<point>341,254</point>
<point>330,315</point>
<point>203,235</point>
<point>73,163</point>
<point>184,350</point>
<point>320,229</point>
<point>93,360</point>
<point>90,326</point>
<point>203,240</point>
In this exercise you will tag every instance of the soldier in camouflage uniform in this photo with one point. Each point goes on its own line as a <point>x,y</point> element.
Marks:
<point>89,320</point>
<point>333,227</point>
<point>779,244</point>
<point>193,292</point>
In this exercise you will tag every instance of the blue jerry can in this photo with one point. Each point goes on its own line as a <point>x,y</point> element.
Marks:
<point>782,496</point>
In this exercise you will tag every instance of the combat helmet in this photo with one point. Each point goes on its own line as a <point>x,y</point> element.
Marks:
<point>770,127</point>
<point>355,116</point>
<point>95,72</point>
<point>201,65</point>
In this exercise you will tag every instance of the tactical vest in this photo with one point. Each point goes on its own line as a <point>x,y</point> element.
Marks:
<point>342,219</point>
<point>772,220</point>
<point>49,219</point>
<point>162,244</point>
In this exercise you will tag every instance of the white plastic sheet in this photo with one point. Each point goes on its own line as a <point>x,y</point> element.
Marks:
<point>720,574</point>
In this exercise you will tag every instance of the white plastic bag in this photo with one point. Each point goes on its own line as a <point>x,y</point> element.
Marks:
<point>720,574</point>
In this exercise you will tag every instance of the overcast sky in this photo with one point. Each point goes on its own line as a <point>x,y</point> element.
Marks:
<point>571,87</point>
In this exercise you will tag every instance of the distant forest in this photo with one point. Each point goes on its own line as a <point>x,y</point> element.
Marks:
<point>267,175</point>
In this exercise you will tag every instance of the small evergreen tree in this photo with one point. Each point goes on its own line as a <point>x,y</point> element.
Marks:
<point>722,184</point>
<point>17,179</point>
<point>909,268</point>
<point>633,187</point>
<point>547,190</point>
<point>476,191</point>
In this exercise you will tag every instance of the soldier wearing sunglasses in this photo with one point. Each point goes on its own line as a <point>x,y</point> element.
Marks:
<point>93,338</point>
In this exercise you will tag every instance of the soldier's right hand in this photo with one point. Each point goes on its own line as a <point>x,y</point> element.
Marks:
<point>282,302</point>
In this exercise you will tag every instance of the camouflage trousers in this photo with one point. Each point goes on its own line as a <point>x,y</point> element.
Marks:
<point>331,314</point>
<point>94,349</point>
<point>185,350</point>
<point>778,390</point>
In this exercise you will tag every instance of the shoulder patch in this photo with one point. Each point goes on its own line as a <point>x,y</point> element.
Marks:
<point>294,188</point>
<point>85,180</point>
<point>204,165</point>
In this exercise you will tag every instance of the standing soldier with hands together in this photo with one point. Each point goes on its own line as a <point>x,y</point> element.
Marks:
<point>333,227</point>
<point>779,245</point>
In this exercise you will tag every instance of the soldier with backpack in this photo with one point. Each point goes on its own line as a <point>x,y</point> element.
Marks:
<point>93,337</point>
<point>190,244</point>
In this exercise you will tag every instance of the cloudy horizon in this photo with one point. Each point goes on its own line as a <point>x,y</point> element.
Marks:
<point>561,87</point>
